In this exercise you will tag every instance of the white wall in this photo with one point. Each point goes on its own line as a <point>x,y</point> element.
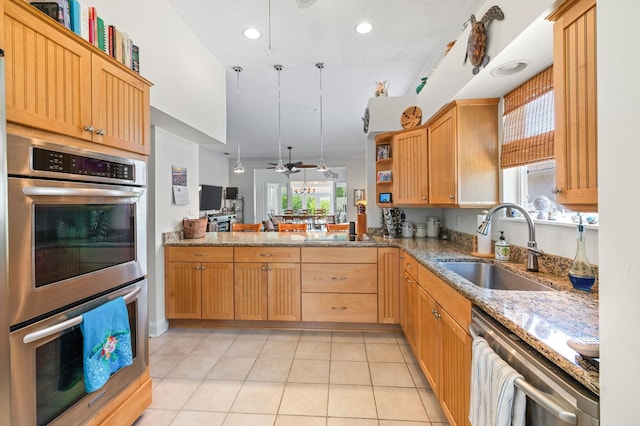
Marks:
<point>214,170</point>
<point>189,82</point>
<point>619,202</point>
<point>167,150</point>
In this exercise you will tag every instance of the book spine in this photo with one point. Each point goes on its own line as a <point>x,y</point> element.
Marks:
<point>102,36</point>
<point>93,39</point>
<point>112,41</point>
<point>135,58</point>
<point>75,16</point>
<point>84,26</point>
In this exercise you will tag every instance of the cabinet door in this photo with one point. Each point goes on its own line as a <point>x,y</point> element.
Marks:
<point>284,291</point>
<point>411,305</point>
<point>217,291</point>
<point>182,290</point>
<point>456,371</point>
<point>388,286</point>
<point>410,167</point>
<point>120,110</point>
<point>430,349</point>
<point>250,288</point>
<point>48,74</point>
<point>443,181</point>
<point>574,72</point>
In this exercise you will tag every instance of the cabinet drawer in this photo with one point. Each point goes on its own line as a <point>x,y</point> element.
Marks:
<point>198,254</point>
<point>267,254</point>
<point>409,264</point>
<point>333,307</point>
<point>339,254</point>
<point>340,278</point>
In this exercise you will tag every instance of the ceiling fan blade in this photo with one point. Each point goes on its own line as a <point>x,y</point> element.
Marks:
<point>306,166</point>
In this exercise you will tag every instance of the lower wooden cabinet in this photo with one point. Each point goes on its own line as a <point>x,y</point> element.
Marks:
<point>267,283</point>
<point>388,285</point>
<point>198,283</point>
<point>444,345</point>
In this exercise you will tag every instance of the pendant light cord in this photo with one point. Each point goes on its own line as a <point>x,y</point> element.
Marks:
<point>237,70</point>
<point>279,68</point>
<point>321,135</point>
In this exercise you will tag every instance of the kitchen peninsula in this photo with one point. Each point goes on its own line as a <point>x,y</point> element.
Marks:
<point>320,267</point>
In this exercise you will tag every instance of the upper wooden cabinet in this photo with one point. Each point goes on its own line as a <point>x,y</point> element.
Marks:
<point>463,154</point>
<point>574,80</point>
<point>59,83</point>
<point>451,161</point>
<point>410,169</point>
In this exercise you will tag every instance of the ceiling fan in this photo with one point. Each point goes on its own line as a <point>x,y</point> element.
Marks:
<point>293,167</point>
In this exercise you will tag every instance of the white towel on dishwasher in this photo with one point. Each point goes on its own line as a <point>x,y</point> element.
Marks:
<point>495,400</point>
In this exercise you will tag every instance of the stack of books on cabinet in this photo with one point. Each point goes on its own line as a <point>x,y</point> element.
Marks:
<point>85,21</point>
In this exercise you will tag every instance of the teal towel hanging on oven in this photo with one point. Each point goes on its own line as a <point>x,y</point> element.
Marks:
<point>107,342</point>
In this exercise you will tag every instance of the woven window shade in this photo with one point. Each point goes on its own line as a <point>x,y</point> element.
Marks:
<point>529,122</point>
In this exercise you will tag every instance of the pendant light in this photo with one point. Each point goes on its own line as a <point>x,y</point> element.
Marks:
<point>280,167</point>
<point>322,167</point>
<point>238,168</point>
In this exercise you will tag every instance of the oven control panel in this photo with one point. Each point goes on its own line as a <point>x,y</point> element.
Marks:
<point>62,162</point>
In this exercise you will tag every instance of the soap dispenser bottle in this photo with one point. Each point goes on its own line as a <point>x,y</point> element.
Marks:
<point>581,274</point>
<point>503,250</point>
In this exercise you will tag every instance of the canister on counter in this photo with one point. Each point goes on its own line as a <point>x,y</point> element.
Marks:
<point>433,226</point>
<point>421,230</point>
<point>407,229</point>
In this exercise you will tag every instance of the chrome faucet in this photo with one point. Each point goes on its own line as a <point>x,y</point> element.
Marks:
<point>532,247</point>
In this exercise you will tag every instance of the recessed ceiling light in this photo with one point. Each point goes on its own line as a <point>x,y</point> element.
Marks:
<point>364,28</point>
<point>251,33</point>
<point>509,68</point>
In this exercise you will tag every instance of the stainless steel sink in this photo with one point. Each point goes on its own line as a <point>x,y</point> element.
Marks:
<point>488,275</point>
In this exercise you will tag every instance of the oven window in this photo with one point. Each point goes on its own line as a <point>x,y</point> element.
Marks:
<point>59,381</point>
<point>72,240</point>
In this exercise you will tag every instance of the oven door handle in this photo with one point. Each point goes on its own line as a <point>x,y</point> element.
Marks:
<point>532,392</point>
<point>82,192</point>
<point>46,332</point>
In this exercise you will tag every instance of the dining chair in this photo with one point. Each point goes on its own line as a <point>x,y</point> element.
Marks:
<point>337,227</point>
<point>292,227</point>
<point>320,218</point>
<point>246,227</point>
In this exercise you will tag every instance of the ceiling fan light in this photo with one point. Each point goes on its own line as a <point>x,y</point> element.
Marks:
<point>280,167</point>
<point>238,168</point>
<point>321,167</point>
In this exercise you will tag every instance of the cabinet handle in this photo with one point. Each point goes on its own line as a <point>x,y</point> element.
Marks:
<point>556,190</point>
<point>88,128</point>
<point>408,266</point>
<point>339,278</point>
<point>266,254</point>
<point>100,132</point>
<point>199,254</point>
<point>199,268</point>
<point>339,308</point>
<point>409,280</point>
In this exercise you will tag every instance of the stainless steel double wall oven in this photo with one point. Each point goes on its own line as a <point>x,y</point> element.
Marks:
<point>77,239</point>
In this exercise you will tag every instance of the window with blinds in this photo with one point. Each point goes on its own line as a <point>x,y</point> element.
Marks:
<point>529,122</point>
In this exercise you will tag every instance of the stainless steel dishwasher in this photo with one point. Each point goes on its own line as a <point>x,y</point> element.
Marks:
<point>553,397</point>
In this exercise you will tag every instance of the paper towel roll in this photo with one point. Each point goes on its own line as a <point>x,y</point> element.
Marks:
<point>484,241</point>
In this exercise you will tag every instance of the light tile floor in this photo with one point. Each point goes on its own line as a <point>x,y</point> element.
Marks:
<point>282,377</point>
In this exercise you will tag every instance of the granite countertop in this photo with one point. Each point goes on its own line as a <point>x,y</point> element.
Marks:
<point>543,319</point>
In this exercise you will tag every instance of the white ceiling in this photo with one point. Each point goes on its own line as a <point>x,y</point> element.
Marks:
<point>408,39</point>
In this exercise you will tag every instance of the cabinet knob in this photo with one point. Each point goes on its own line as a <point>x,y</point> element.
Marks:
<point>556,190</point>
<point>269,268</point>
<point>452,197</point>
<point>88,128</point>
<point>100,132</point>
<point>264,268</point>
